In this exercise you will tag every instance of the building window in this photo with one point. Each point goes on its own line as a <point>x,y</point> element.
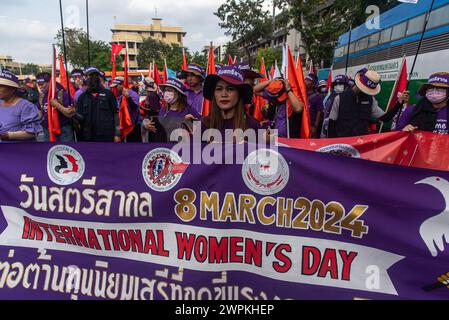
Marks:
<point>416,25</point>
<point>362,44</point>
<point>399,31</point>
<point>179,37</point>
<point>151,34</point>
<point>131,45</point>
<point>438,17</point>
<point>164,35</point>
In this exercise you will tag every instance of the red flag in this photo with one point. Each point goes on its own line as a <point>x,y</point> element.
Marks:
<point>126,124</point>
<point>210,70</point>
<point>272,71</point>
<point>114,70</point>
<point>311,68</point>
<point>230,60</point>
<point>399,86</point>
<point>54,127</point>
<point>329,81</point>
<point>115,51</point>
<point>63,78</point>
<point>259,102</point>
<point>184,59</point>
<point>165,73</point>
<point>306,132</point>
<point>126,84</point>
<point>157,76</point>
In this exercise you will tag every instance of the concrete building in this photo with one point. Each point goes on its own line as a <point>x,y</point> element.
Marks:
<point>17,67</point>
<point>133,35</point>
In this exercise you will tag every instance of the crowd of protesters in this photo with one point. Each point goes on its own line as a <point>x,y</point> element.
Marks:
<point>348,108</point>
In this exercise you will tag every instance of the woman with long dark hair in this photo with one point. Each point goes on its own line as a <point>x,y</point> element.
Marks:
<point>228,94</point>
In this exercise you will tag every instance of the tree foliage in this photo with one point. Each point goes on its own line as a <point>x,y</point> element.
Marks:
<point>246,21</point>
<point>77,53</point>
<point>320,24</point>
<point>271,56</point>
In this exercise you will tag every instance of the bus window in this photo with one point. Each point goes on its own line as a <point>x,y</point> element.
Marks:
<point>374,40</point>
<point>362,44</point>
<point>438,17</point>
<point>399,31</point>
<point>416,25</point>
<point>385,35</point>
<point>352,47</point>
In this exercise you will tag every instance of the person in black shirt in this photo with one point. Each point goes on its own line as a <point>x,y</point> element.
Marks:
<point>97,111</point>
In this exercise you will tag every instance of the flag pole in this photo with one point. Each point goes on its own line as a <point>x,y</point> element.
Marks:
<point>88,33</point>
<point>420,44</point>
<point>65,50</point>
<point>347,53</point>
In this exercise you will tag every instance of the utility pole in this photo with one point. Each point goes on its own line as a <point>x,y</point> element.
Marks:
<point>273,23</point>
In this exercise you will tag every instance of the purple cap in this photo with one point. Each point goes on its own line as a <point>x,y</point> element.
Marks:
<point>43,78</point>
<point>341,78</point>
<point>247,71</point>
<point>195,69</point>
<point>92,70</point>
<point>175,84</point>
<point>9,79</point>
<point>229,74</point>
<point>439,80</point>
<point>77,73</point>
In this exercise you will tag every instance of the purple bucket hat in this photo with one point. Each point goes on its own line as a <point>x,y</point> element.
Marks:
<point>175,84</point>
<point>9,79</point>
<point>439,80</point>
<point>245,68</point>
<point>195,69</point>
<point>231,75</point>
<point>340,79</point>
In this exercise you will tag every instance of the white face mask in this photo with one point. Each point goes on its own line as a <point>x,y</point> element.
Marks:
<point>339,88</point>
<point>169,97</point>
<point>436,96</point>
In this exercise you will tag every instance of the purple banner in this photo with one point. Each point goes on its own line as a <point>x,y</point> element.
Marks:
<point>106,221</point>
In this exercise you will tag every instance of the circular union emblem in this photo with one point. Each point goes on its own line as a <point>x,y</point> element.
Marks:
<point>65,165</point>
<point>162,169</point>
<point>345,150</point>
<point>266,172</point>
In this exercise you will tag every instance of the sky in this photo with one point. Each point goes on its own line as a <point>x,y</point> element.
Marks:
<point>28,28</point>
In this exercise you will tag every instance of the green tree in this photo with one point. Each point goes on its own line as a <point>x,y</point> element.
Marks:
<point>271,56</point>
<point>246,21</point>
<point>200,58</point>
<point>231,50</point>
<point>30,69</point>
<point>77,54</point>
<point>155,50</point>
<point>321,24</point>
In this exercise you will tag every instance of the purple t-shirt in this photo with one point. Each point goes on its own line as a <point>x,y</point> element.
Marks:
<point>441,125</point>
<point>315,106</point>
<point>63,120</point>
<point>78,94</point>
<point>175,114</point>
<point>24,116</point>
<point>195,100</point>
<point>135,114</point>
<point>228,124</point>
<point>280,120</point>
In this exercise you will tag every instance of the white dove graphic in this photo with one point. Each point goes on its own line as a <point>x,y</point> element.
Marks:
<point>435,231</point>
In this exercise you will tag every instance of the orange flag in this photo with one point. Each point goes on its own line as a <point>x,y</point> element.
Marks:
<point>306,132</point>
<point>272,71</point>
<point>63,78</point>
<point>259,101</point>
<point>210,70</point>
<point>165,73</point>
